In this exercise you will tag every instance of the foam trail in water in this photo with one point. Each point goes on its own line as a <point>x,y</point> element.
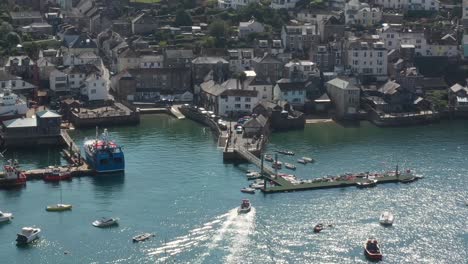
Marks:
<point>194,238</point>
<point>241,229</point>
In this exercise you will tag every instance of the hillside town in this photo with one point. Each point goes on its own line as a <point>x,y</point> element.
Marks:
<point>390,62</point>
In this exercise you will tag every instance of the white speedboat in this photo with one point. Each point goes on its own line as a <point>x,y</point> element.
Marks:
<point>244,207</point>
<point>248,190</point>
<point>307,159</point>
<point>27,235</point>
<point>386,218</point>
<point>142,237</point>
<point>105,222</point>
<point>5,217</point>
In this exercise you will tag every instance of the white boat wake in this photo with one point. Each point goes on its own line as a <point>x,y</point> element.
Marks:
<point>231,230</point>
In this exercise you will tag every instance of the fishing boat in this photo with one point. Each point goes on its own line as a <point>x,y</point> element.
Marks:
<point>142,237</point>
<point>27,235</point>
<point>12,176</point>
<point>301,161</point>
<point>106,222</point>
<point>285,152</point>
<point>372,250</point>
<point>248,190</point>
<point>269,158</point>
<point>245,207</point>
<point>318,228</point>
<point>386,218</point>
<point>54,174</point>
<point>367,184</point>
<point>5,217</point>
<point>307,159</point>
<point>103,154</point>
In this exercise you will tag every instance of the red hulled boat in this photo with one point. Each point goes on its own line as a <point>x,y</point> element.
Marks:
<point>54,174</point>
<point>12,175</point>
<point>372,250</point>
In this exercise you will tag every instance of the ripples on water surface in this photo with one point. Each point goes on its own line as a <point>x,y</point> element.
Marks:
<point>177,187</point>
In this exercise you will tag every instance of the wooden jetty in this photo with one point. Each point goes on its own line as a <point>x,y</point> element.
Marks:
<point>82,170</point>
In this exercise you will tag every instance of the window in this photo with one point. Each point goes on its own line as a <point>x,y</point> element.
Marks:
<point>3,84</point>
<point>24,84</point>
<point>94,84</point>
<point>301,92</point>
<point>285,93</point>
<point>380,54</point>
<point>237,106</point>
<point>247,106</point>
<point>237,99</point>
<point>264,89</point>
<point>93,91</point>
<point>293,92</point>
<point>72,76</point>
<point>247,99</point>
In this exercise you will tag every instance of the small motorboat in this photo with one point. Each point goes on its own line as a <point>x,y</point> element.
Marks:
<point>286,152</point>
<point>301,161</point>
<point>318,228</point>
<point>307,159</point>
<point>253,175</point>
<point>367,184</point>
<point>248,190</point>
<point>269,158</point>
<point>27,235</point>
<point>277,165</point>
<point>5,217</point>
<point>142,237</point>
<point>54,174</point>
<point>372,250</point>
<point>290,166</point>
<point>408,180</point>
<point>106,222</point>
<point>244,207</point>
<point>256,186</point>
<point>59,207</point>
<point>386,218</point>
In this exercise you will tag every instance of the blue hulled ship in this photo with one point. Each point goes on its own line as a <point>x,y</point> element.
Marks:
<point>104,155</point>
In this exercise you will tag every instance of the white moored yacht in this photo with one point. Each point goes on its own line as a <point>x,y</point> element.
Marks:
<point>27,235</point>
<point>386,218</point>
<point>5,217</point>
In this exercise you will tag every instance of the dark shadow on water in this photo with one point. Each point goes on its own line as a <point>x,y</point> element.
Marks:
<point>348,123</point>
<point>12,192</point>
<point>109,179</point>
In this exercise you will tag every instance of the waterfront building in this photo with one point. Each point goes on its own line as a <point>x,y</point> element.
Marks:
<point>256,126</point>
<point>367,58</point>
<point>268,67</point>
<point>291,91</point>
<point>458,98</point>
<point>228,98</point>
<point>345,96</point>
<point>14,83</point>
<point>44,128</point>
<point>217,67</point>
<point>95,88</point>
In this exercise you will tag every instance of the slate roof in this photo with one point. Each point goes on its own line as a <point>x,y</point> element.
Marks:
<point>256,122</point>
<point>47,114</point>
<point>390,88</point>
<point>209,60</point>
<point>342,84</point>
<point>179,54</point>
<point>287,85</point>
<point>20,122</point>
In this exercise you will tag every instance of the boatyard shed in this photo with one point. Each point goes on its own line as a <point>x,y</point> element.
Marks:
<point>256,126</point>
<point>20,126</point>
<point>48,122</point>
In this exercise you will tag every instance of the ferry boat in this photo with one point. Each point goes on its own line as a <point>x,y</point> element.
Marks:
<point>12,175</point>
<point>53,174</point>
<point>103,154</point>
<point>11,106</point>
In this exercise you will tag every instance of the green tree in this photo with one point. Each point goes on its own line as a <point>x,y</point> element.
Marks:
<point>13,39</point>
<point>183,18</point>
<point>220,31</point>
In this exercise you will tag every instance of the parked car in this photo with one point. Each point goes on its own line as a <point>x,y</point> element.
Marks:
<point>239,130</point>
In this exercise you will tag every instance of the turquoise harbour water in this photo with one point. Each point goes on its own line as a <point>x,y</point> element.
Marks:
<point>177,187</point>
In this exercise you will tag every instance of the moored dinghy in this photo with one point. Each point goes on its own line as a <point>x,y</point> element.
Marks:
<point>367,184</point>
<point>318,228</point>
<point>142,237</point>
<point>290,166</point>
<point>106,222</point>
<point>307,159</point>
<point>301,161</point>
<point>248,190</point>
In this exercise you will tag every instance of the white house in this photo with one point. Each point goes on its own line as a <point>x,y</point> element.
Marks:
<point>262,86</point>
<point>228,98</point>
<point>251,26</point>
<point>291,91</point>
<point>88,57</point>
<point>364,58</point>
<point>235,4</point>
<point>58,81</point>
<point>95,87</point>
<point>357,13</point>
<point>345,96</point>
<point>14,83</point>
<point>283,4</point>
<point>301,70</point>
